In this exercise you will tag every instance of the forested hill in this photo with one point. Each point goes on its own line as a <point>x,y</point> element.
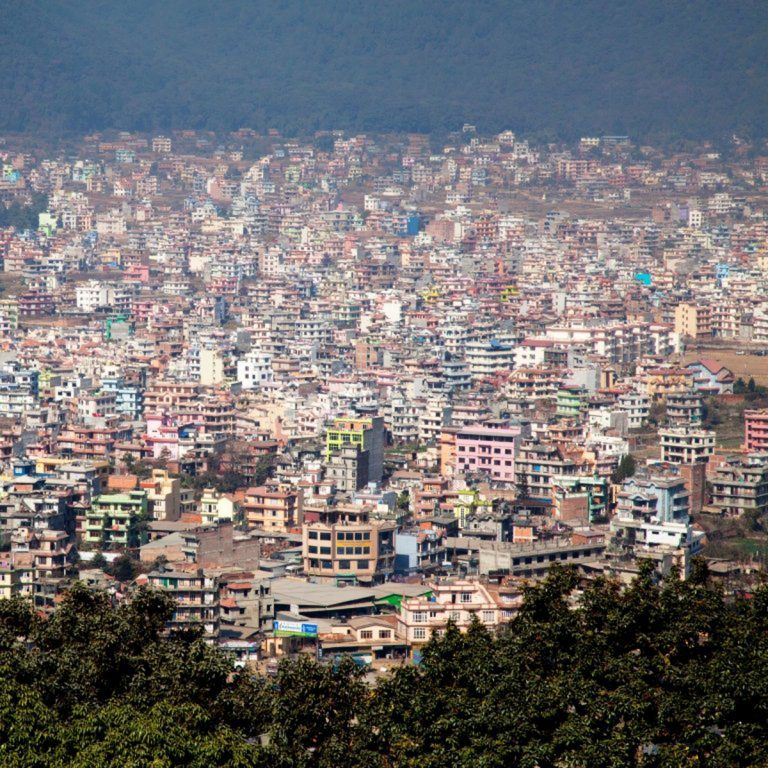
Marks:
<point>653,68</point>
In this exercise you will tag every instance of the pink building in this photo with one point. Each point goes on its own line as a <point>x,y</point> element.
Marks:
<point>488,448</point>
<point>164,435</point>
<point>756,430</point>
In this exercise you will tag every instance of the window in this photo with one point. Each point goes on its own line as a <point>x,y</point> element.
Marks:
<point>385,634</point>
<point>325,550</point>
<point>325,536</point>
<point>362,565</point>
<point>346,564</point>
<point>313,534</point>
<point>366,634</point>
<point>312,550</point>
<point>488,617</point>
<point>420,617</point>
<point>466,597</point>
<point>454,616</point>
<point>419,633</point>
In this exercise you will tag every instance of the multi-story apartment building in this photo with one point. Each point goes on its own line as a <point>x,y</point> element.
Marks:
<point>113,520</point>
<point>254,369</point>
<point>538,464</point>
<point>756,431</point>
<point>347,469</point>
<point>666,380</point>
<point>404,415</point>
<point>485,358</point>
<point>710,378</point>
<point>129,398</point>
<point>740,485</point>
<point>90,443</point>
<point>347,545</point>
<point>570,401</point>
<point>652,518</point>
<point>686,445</point>
<point>693,320</point>
<point>637,406</point>
<point>419,549</point>
<point>216,507</point>
<point>171,396</point>
<point>163,495</point>
<point>434,414</point>
<point>367,435</point>
<point>197,599</point>
<point>489,449</point>
<point>684,408</point>
<point>273,507</point>
<point>460,602</point>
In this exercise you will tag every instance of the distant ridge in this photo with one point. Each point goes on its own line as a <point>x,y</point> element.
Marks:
<point>656,68</point>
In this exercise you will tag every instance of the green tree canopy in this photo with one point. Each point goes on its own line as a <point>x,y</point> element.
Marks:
<point>655,675</point>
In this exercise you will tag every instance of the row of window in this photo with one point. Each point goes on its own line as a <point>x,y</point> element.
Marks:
<point>420,633</point>
<point>575,554</point>
<point>361,565</point>
<point>341,535</point>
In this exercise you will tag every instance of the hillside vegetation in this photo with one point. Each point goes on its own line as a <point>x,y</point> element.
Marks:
<point>656,675</point>
<point>657,69</point>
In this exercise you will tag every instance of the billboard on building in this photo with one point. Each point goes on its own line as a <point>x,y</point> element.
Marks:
<point>293,629</point>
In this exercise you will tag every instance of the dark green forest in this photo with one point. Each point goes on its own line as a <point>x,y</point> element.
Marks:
<point>655,69</point>
<point>669,674</point>
<point>23,216</point>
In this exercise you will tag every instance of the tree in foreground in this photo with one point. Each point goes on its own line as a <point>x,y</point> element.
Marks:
<point>656,675</point>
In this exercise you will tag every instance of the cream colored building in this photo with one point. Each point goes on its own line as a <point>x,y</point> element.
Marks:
<point>694,320</point>
<point>460,602</point>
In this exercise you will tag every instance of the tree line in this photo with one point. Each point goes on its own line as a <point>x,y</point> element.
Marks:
<point>658,674</point>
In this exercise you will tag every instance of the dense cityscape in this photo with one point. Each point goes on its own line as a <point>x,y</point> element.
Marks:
<point>347,397</point>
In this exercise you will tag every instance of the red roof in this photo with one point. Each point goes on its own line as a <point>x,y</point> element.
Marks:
<point>711,365</point>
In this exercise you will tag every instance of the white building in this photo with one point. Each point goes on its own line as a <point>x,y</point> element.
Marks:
<point>254,369</point>
<point>637,406</point>
<point>686,445</point>
<point>92,294</point>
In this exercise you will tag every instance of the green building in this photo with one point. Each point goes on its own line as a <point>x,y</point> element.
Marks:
<point>365,434</point>
<point>570,402</point>
<point>589,492</point>
<point>113,520</point>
